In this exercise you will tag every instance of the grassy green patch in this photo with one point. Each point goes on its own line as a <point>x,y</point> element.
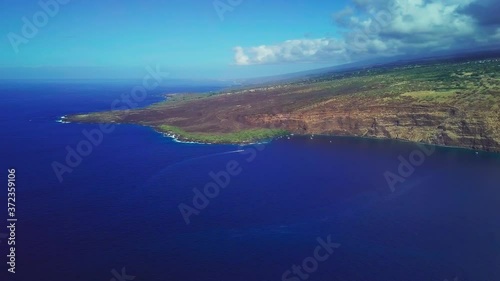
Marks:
<point>436,96</point>
<point>244,136</point>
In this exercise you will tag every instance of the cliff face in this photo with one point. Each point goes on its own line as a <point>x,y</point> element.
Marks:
<point>406,120</point>
<point>453,104</point>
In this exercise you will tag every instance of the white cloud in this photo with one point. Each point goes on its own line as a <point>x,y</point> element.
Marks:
<point>240,57</point>
<point>291,51</point>
<point>373,28</point>
<point>435,17</point>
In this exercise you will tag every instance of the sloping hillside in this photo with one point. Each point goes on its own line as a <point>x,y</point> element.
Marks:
<point>453,104</point>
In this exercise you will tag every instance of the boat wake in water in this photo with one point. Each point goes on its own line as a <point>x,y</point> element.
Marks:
<point>155,178</point>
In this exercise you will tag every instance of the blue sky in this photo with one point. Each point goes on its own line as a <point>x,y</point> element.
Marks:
<point>119,38</point>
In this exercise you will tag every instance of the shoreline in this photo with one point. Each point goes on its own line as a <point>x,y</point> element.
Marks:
<point>62,120</point>
<point>243,137</point>
<point>401,141</point>
<point>402,104</point>
<point>178,138</point>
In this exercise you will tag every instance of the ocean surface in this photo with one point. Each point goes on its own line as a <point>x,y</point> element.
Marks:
<point>116,215</point>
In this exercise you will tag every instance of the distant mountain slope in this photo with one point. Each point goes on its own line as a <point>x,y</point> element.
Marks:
<point>453,102</point>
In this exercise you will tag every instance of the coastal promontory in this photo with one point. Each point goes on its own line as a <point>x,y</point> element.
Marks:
<point>449,103</point>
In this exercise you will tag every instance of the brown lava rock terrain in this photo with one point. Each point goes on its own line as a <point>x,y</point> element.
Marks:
<point>449,103</point>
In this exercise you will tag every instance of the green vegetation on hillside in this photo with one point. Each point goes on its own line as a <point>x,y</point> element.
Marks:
<point>452,103</point>
<point>245,136</point>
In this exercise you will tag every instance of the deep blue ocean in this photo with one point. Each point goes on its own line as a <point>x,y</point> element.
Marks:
<point>118,210</point>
